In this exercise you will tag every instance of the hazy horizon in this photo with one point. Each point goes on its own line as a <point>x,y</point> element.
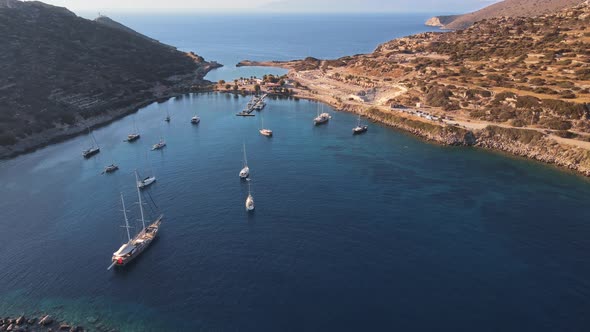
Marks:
<point>274,6</point>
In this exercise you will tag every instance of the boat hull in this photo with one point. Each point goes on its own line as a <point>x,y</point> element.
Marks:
<point>147,238</point>
<point>361,130</point>
<point>132,138</point>
<point>146,183</point>
<point>89,153</point>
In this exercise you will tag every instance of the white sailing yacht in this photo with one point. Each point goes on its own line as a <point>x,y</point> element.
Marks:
<point>136,245</point>
<point>245,172</point>
<point>94,149</point>
<point>195,119</point>
<point>147,181</point>
<point>160,145</point>
<point>249,199</point>
<point>265,132</point>
<point>321,118</point>
<point>359,129</point>
<point>134,136</point>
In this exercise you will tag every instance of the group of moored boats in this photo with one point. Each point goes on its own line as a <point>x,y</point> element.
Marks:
<point>132,137</point>
<point>136,244</point>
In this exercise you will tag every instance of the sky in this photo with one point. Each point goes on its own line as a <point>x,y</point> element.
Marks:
<point>287,6</point>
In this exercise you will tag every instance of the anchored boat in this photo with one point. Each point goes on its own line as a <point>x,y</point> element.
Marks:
<point>94,149</point>
<point>265,132</point>
<point>111,168</point>
<point>359,129</point>
<point>245,172</point>
<point>141,241</point>
<point>134,136</point>
<point>195,119</point>
<point>321,118</point>
<point>160,145</point>
<point>249,199</point>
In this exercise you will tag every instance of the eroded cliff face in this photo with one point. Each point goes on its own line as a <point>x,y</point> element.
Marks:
<point>539,148</point>
<point>529,144</point>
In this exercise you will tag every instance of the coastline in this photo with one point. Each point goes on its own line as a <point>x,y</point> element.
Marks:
<point>193,82</point>
<point>530,144</point>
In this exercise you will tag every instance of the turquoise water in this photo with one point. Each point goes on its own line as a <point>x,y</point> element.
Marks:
<point>350,232</point>
<point>380,231</point>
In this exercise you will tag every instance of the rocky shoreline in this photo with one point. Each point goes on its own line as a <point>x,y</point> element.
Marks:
<point>47,323</point>
<point>529,144</point>
<point>65,132</point>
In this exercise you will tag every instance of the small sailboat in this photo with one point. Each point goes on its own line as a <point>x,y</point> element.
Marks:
<point>94,149</point>
<point>141,241</point>
<point>249,199</point>
<point>321,118</point>
<point>111,168</point>
<point>195,119</point>
<point>265,132</point>
<point>167,119</point>
<point>134,136</point>
<point>359,129</point>
<point>146,182</point>
<point>160,145</point>
<point>245,172</point>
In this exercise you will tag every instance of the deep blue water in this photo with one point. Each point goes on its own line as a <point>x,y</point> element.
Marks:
<point>229,39</point>
<point>375,232</point>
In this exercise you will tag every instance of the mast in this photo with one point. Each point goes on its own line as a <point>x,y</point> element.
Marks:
<point>126,220</point>
<point>140,203</point>
<point>93,139</point>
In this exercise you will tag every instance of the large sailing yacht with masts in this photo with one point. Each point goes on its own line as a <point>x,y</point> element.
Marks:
<point>245,172</point>
<point>136,245</point>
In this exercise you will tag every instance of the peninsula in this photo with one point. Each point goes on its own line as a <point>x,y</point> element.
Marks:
<point>519,85</point>
<point>62,73</point>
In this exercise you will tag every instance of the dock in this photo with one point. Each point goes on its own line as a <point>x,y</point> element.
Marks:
<point>257,103</point>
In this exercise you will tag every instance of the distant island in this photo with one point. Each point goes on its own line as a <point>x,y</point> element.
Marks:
<point>62,73</point>
<point>519,85</point>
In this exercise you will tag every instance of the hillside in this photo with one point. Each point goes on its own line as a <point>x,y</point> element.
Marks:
<point>506,8</point>
<point>61,72</point>
<point>520,85</point>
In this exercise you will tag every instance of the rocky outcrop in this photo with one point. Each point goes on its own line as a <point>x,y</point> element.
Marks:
<point>46,324</point>
<point>530,144</point>
<point>506,8</point>
<point>534,145</point>
<point>440,21</point>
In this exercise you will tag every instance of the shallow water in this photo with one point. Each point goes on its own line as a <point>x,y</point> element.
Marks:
<point>380,231</point>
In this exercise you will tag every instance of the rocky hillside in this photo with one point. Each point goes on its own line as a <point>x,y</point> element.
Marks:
<point>506,8</point>
<point>520,85</point>
<point>61,72</point>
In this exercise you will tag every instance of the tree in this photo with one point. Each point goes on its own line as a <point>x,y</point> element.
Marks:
<point>221,82</point>
<point>257,88</point>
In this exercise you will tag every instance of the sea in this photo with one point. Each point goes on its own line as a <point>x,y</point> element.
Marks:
<point>373,232</point>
